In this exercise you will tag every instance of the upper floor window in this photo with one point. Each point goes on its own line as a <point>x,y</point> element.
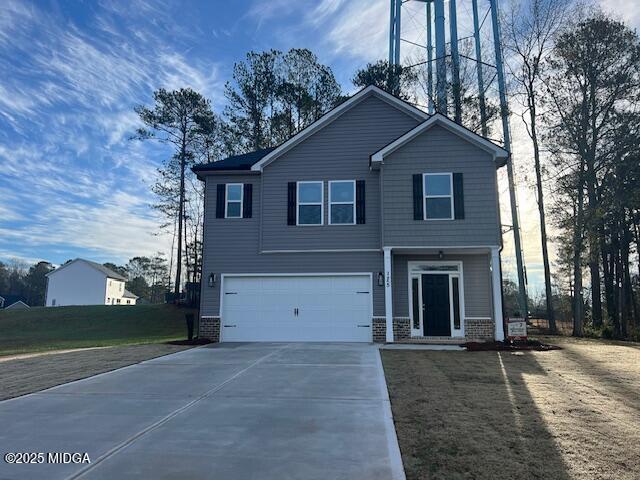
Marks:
<point>438,196</point>
<point>234,196</point>
<point>342,202</point>
<point>310,209</point>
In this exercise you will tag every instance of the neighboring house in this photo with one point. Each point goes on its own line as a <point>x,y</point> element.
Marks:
<point>376,223</point>
<point>81,282</point>
<point>10,302</point>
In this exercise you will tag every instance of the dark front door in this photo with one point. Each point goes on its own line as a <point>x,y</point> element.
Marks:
<point>435,299</point>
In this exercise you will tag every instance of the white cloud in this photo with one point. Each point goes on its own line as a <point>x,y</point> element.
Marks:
<point>629,11</point>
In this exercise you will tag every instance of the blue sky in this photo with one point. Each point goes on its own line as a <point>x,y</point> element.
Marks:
<point>71,183</point>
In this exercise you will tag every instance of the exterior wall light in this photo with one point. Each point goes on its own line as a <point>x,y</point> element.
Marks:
<point>212,280</point>
<point>380,279</point>
<point>440,255</point>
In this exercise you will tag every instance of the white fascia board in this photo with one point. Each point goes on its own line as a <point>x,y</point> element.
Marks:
<point>334,114</point>
<point>56,270</point>
<point>438,119</point>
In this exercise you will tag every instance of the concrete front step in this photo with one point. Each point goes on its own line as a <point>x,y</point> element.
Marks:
<point>433,340</point>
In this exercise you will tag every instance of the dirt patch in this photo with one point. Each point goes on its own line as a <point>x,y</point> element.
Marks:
<point>564,414</point>
<point>28,375</point>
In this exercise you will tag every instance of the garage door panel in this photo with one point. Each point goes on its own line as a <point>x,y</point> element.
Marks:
<point>330,308</point>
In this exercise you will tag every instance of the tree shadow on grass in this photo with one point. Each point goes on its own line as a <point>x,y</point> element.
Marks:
<point>610,382</point>
<point>470,415</point>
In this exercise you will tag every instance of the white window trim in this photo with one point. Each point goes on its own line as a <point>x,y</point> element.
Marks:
<point>425,196</point>
<point>226,199</point>
<point>321,203</point>
<point>353,204</point>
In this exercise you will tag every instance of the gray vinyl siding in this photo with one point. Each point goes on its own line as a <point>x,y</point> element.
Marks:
<point>231,246</point>
<point>340,151</point>
<point>477,283</point>
<point>435,151</point>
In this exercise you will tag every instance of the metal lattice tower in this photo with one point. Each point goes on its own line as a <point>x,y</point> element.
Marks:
<point>436,21</point>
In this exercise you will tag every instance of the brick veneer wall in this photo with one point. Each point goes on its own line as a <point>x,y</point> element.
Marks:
<point>479,330</point>
<point>210,328</point>
<point>401,329</point>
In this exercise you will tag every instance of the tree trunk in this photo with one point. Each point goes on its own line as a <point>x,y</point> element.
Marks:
<point>187,259</point>
<point>594,261</point>
<point>543,226</point>
<point>183,160</point>
<point>617,279</point>
<point>608,269</point>
<point>626,304</point>
<point>578,315</point>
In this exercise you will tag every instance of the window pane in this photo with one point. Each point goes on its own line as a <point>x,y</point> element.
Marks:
<point>416,303</point>
<point>438,207</point>
<point>456,303</point>
<point>342,191</point>
<point>310,215</point>
<point>438,268</point>
<point>342,213</point>
<point>310,192</point>
<point>234,192</point>
<point>233,209</point>
<point>437,185</point>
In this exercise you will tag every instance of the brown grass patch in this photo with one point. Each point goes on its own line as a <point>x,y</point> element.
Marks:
<point>566,414</point>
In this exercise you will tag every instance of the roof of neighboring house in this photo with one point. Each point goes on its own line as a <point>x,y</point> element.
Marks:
<point>107,271</point>
<point>237,162</point>
<point>128,294</point>
<point>18,304</point>
<point>11,299</point>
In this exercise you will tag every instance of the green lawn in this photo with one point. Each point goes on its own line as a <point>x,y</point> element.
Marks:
<point>53,328</point>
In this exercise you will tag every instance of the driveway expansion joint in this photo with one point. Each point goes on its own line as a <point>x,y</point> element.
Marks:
<point>123,445</point>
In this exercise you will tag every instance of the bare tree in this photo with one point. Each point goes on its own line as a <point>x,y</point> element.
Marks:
<point>531,28</point>
<point>180,118</point>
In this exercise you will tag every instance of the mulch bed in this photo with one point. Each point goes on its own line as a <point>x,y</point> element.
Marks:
<point>535,345</point>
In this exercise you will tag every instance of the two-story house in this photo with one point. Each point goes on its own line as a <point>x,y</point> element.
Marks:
<point>378,222</point>
<point>83,282</point>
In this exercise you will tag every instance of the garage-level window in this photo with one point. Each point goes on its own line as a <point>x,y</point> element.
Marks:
<point>438,196</point>
<point>233,207</point>
<point>310,209</point>
<point>342,202</point>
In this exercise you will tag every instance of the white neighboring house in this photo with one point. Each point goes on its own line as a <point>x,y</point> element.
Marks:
<point>82,282</point>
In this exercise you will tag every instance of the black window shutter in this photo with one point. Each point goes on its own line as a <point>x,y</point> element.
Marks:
<point>418,197</point>
<point>360,202</point>
<point>220,200</point>
<point>291,203</point>
<point>247,200</point>
<point>458,196</point>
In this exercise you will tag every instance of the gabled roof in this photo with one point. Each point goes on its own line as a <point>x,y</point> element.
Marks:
<point>237,162</point>
<point>333,114</point>
<point>18,304</point>
<point>11,299</point>
<point>107,271</point>
<point>128,294</point>
<point>500,155</point>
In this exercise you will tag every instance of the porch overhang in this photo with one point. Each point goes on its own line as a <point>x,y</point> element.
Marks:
<point>443,253</point>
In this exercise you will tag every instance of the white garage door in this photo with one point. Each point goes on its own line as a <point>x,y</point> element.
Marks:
<point>296,308</point>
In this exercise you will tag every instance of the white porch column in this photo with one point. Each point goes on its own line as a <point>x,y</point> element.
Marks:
<point>496,288</point>
<point>388,294</point>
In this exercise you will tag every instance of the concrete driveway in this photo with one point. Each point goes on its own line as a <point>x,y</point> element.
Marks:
<point>231,411</point>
